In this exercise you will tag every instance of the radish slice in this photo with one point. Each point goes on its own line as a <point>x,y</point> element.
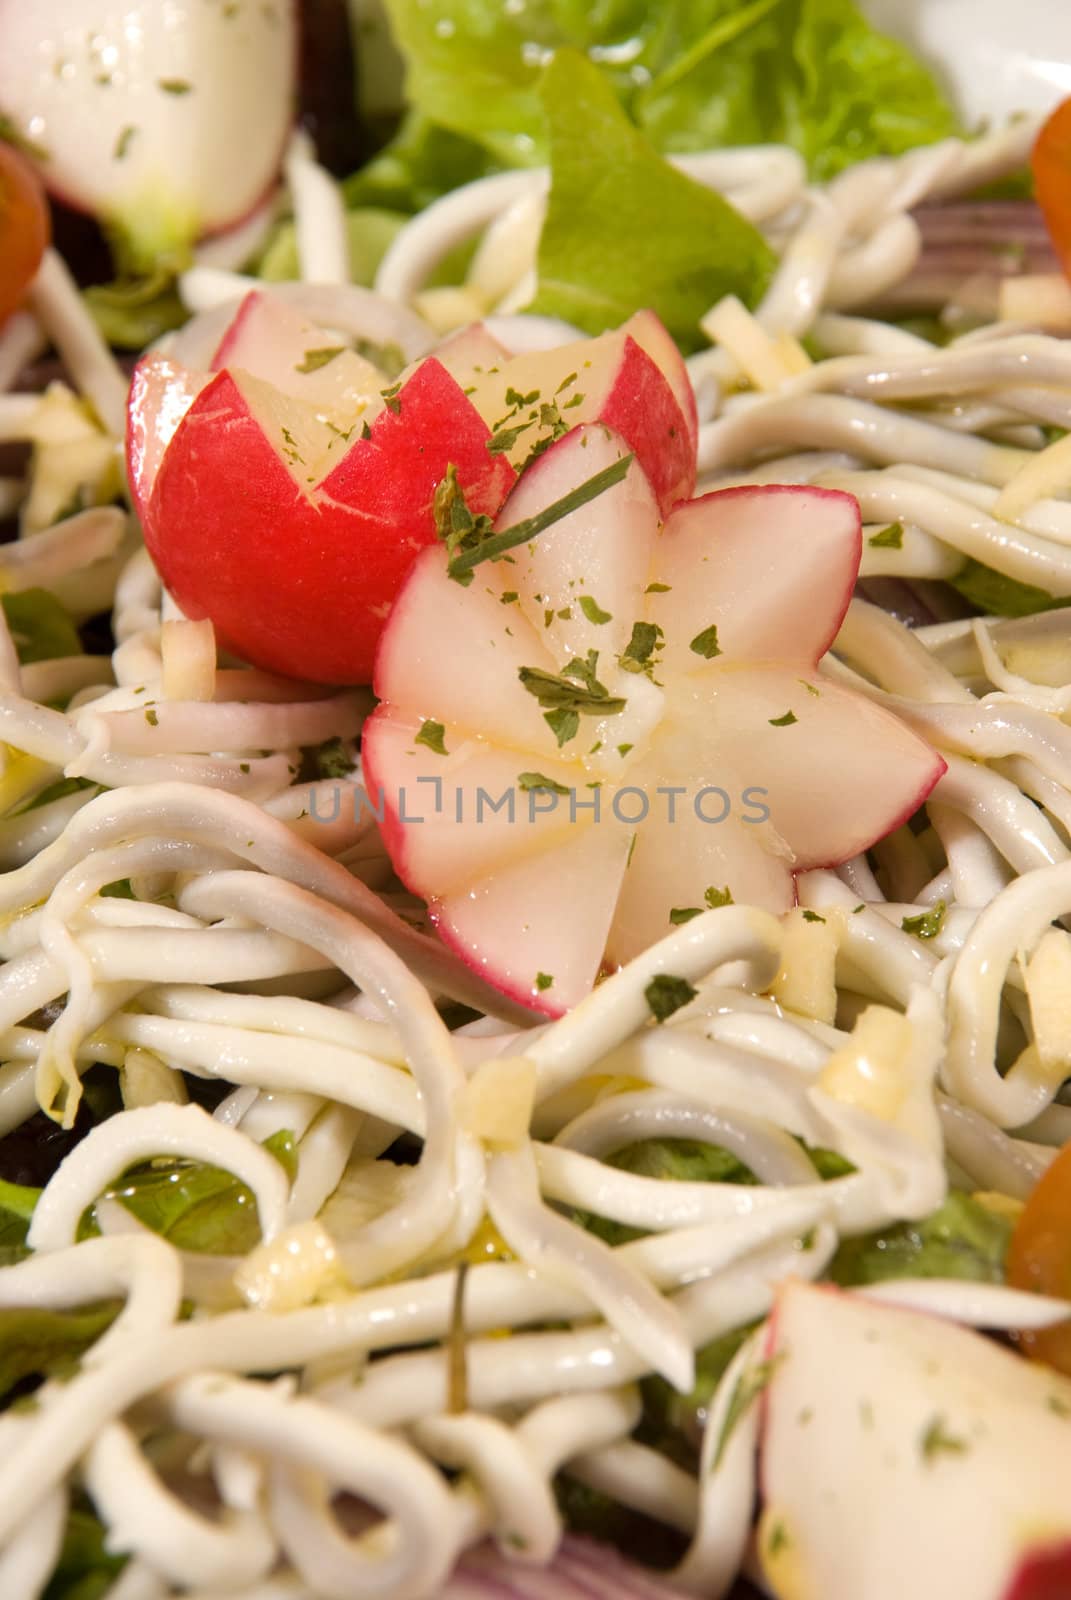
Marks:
<point>466,829</point>
<point>903,1455</point>
<point>581,585</point>
<point>276,344</point>
<point>723,560</point>
<point>713,766</point>
<point>734,722</point>
<point>161,393</point>
<point>548,917</point>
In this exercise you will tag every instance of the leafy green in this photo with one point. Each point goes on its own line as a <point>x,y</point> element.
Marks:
<point>962,1239</point>
<point>332,759</point>
<point>625,230</point>
<point>370,230</point>
<point>693,74</point>
<point>198,1207</point>
<point>84,1569</point>
<point>669,1160</point>
<point>666,994</point>
<point>424,160</point>
<point>131,313</point>
<point>40,628</point>
<point>17,1201</point>
<point>1000,596</point>
<point>43,1343</point>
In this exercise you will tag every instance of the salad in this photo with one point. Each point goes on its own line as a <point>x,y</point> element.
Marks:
<point>535,809</point>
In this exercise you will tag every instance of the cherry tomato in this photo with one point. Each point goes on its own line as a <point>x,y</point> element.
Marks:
<point>1051,166</point>
<point>1040,1258</point>
<point>24,227</point>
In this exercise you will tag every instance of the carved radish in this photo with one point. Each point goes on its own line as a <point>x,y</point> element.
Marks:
<point>902,1455</point>
<point>665,675</point>
<point>165,121</point>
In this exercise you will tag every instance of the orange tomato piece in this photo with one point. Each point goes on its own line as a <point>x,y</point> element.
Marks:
<point>1051,166</point>
<point>24,227</point>
<point>1039,1258</point>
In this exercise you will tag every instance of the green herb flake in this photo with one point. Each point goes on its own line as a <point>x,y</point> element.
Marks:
<point>936,1441</point>
<point>593,611</point>
<point>812,916</point>
<point>567,695</point>
<point>563,724</point>
<point>543,981</point>
<point>151,718</point>
<point>658,588</point>
<point>647,637</point>
<point>682,914</point>
<point>315,359</point>
<point>123,142</point>
<point>890,538</point>
<point>784,722</point>
<point>777,1540</point>
<point>716,898</point>
<point>706,644</point>
<point>432,734</point>
<point>489,546</point>
<point>538,780</point>
<point>1058,1405</point>
<point>860,907</point>
<point>509,597</point>
<point>928,924</point>
<point>746,1391</point>
<point>177,86</point>
<point>666,994</point>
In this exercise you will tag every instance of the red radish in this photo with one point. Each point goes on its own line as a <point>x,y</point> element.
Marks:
<point>633,379</point>
<point>903,1455</point>
<point>165,122</point>
<point>273,342</point>
<point>294,537</point>
<point>721,759</point>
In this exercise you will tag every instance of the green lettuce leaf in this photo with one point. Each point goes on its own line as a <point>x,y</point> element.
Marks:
<point>670,1160</point>
<point>84,1569</point>
<point>17,1201</point>
<point>132,312</point>
<point>38,1343</point>
<point>624,230</point>
<point>197,1207</point>
<point>1000,596</point>
<point>424,160</point>
<point>40,628</point>
<point>694,74</point>
<point>962,1239</point>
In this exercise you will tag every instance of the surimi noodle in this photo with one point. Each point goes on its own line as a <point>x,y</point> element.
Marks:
<point>264,949</point>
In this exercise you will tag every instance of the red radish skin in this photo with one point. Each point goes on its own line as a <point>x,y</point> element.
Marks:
<point>301,583</point>
<point>1046,1576</point>
<point>748,588</point>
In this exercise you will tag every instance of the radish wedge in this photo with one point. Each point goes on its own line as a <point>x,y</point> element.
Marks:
<point>687,740</point>
<point>925,1461</point>
<point>294,539</point>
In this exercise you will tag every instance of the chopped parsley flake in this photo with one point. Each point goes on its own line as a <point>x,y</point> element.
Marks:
<point>777,1540</point>
<point>315,359</point>
<point>392,399</point>
<point>716,898</point>
<point>890,538</point>
<point>784,722</point>
<point>706,644</point>
<point>432,734</point>
<point>151,718</point>
<point>666,994</point>
<point>567,695</point>
<point>812,916</point>
<point>936,1440</point>
<point>593,611</point>
<point>928,924</point>
<point>174,85</point>
<point>657,588</point>
<point>543,980</point>
<point>647,637</point>
<point>746,1391</point>
<point>509,597</point>
<point>122,144</point>
<point>539,780</point>
<point>682,914</point>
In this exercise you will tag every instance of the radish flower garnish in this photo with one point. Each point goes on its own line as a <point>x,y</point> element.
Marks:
<point>629,721</point>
